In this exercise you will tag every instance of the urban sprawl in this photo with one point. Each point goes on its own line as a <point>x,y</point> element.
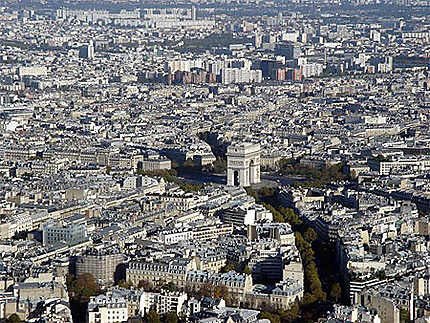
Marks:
<point>215,161</point>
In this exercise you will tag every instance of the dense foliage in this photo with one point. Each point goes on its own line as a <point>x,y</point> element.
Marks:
<point>317,258</point>
<point>80,289</point>
<point>312,176</point>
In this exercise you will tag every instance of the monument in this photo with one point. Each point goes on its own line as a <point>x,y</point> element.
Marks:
<point>243,164</point>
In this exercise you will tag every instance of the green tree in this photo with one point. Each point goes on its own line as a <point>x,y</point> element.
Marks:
<point>220,292</point>
<point>273,318</point>
<point>250,191</point>
<point>308,298</point>
<point>228,267</point>
<point>308,255</point>
<point>382,158</point>
<point>152,317</point>
<point>310,235</point>
<point>404,316</point>
<point>83,287</point>
<point>171,317</point>
<point>291,314</point>
<point>247,270</point>
<point>220,165</point>
<point>300,242</point>
<point>320,295</point>
<point>124,284</point>
<point>278,218</point>
<point>335,291</point>
<point>170,286</point>
<point>266,192</point>
<point>189,163</point>
<point>14,318</point>
<point>206,290</point>
<point>145,285</point>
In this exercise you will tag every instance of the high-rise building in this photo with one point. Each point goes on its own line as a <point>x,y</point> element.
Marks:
<point>288,50</point>
<point>269,68</point>
<point>258,40</point>
<point>87,51</point>
<point>194,13</point>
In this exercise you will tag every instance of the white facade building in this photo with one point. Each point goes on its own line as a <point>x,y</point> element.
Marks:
<point>312,69</point>
<point>71,233</point>
<point>107,309</point>
<point>241,75</point>
<point>162,302</point>
<point>175,236</point>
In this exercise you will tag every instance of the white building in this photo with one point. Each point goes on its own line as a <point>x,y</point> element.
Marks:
<point>70,233</point>
<point>241,75</point>
<point>312,69</point>
<point>404,165</point>
<point>162,302</point>
<point>183,65</point>
<point>107,309</point>
<point>175,236</point>
<point>33,71</point>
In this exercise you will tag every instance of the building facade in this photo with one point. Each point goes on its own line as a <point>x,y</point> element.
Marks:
<point>102,266</point>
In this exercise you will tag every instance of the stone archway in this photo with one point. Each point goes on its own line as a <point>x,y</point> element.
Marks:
<point>243,164</point>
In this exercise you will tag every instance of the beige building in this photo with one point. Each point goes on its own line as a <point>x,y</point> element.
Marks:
<point>211,232</point>
<point>156,164</point>
<point>387,310</point>
<point>8,305</point>
<point>211,262</point>
<point>102,266</point>
<point>159,273</point>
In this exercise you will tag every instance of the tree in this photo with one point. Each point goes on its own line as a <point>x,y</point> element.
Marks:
<point>254,194</point>
<point>228,267</point>
<point>381,275</point>
<point>123,284</point>
<point>382,158</point>
<point>310,235</point>
<point>206,290</point>
<point>308,255</point>
<point>220,165</point>
<point>174,164</point>
<point>14,318</point>
<point>404,316</point>
<point>320,295</point>
<point>247,270</point>
<point>299,240</point>
<point>145,285</point>
<point>170,286</point>
<point>84,286</point>
<point>189,163</point>
<point>220,292</point>
<point>266,192</point>
<point>308,298</point>
<point>273,318</point>
<point>336,291</point>
<point>153,317</point>
<point>289,315</point>
<point>171,317</point>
